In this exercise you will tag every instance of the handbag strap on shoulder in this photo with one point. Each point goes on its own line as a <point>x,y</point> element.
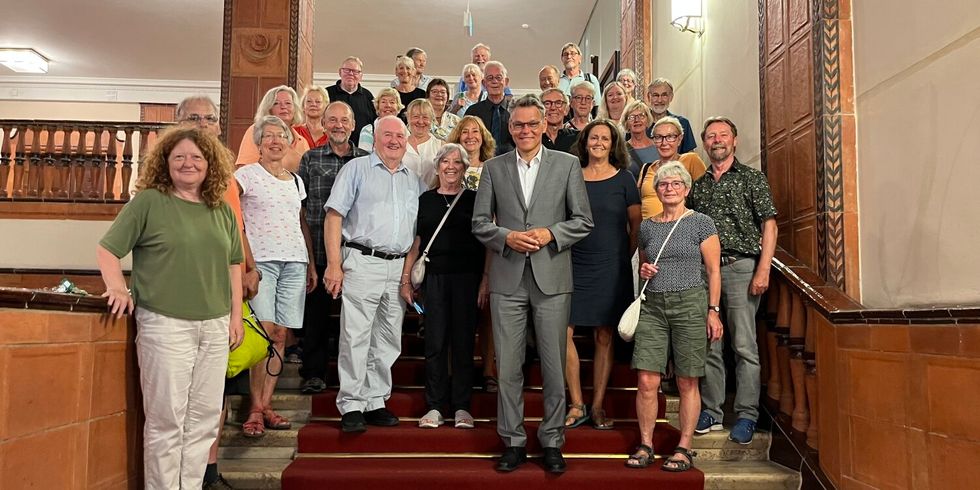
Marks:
<point>438,228</point>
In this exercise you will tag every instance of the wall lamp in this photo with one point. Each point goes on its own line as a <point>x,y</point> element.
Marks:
<point>687,16</point>
<point>23,60</point>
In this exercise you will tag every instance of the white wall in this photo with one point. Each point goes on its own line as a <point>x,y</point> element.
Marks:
<point>917,90</point>
<point>716,74</point>
<point>601,35</point>
<point>51,244</point>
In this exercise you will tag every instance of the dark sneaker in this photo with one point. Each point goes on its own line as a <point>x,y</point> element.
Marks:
<point>294,355</point>
<point>313,386</point>
<point>707,423</point>
<point>742,431</point>
<point>381,417</point>
<point>219,484</point>
<point>352,422</point>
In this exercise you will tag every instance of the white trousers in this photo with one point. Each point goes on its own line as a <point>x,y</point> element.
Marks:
<point>370,331</point>
<point>182,371</point>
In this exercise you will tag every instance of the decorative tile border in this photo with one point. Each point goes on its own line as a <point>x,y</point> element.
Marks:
<point>225,69</point>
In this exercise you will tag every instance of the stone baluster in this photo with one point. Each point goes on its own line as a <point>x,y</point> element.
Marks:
<point>64,164</point>
<point>127,165</point>
<point>772,305</point>
<point>97,163</point>
<point>4,160</point>
<point>78,165</point>
<point>797,334</point>
<point>18,185</point>
<point>110,165</point>
<point>782,349</point>
<point>34,170</point>
<point>810,361</point>
<point>50,176</point>
<point>144,146</point>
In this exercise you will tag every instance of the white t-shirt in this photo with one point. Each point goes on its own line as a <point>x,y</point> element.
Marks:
<point>423,161</point>
<point>270,209</point>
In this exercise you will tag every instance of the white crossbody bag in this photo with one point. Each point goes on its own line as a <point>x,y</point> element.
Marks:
<point>418,269</point>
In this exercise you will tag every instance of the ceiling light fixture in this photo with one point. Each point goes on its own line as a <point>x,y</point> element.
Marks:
<point>23,60</point>
<point>687,16</point>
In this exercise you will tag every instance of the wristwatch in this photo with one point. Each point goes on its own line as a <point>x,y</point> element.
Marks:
<point>714,308</point>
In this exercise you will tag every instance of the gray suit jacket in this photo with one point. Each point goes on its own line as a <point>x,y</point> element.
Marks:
<point>559,202</point>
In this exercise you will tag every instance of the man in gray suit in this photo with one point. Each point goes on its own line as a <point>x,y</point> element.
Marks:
<point>530,209</point>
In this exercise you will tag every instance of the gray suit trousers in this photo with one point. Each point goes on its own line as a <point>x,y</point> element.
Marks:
<point>550,319</point>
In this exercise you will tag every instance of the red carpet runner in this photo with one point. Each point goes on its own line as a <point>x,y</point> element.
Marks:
<point>406,457</point>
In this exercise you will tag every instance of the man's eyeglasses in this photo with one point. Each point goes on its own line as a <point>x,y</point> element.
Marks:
<point>532,125</point>
<point>583,98</point>
<point>494,78</point>
<point>569,54</point>
<point>350,71</point>
<point>676,185</point>
<point>554,103</point>
<point>670,138</point>
<point>197,118</point>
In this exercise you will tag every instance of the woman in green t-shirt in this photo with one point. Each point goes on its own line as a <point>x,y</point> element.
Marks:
<point>186,294</point>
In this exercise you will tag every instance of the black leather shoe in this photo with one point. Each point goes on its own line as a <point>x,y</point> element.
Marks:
<point>511,459</point>
<point>352,422</point>
<point>381,417</point>
<point>553,460</point>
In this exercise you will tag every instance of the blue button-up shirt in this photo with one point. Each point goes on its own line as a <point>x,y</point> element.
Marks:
<point>379,207</point>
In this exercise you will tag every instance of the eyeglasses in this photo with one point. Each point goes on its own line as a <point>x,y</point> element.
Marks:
<point>494,78</point>
<point>197,118</point>
<point>350,71</point>
<point>670,138</point>
<point>636,117</point>
<point>583,98</point>
<point>554,103</point>
<point>569,54</point>
<point>676,185</point>
<point>532,125</point>
<point>274,136</point>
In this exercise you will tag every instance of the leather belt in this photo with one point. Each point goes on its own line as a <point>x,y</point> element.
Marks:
<point>365,250</point>
<point>731,259</point>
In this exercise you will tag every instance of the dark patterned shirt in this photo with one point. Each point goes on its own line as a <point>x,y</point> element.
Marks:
<point>739,203</point>
<point>318,168</point>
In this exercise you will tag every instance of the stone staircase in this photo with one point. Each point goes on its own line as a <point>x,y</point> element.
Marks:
<point>258,463</point>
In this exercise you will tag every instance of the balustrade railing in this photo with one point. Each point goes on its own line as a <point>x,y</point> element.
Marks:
<point>76,161</point>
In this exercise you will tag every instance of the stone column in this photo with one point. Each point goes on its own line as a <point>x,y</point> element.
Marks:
<point>266,43</point>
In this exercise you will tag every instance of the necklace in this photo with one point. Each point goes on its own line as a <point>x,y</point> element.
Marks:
<point>446,199</point>
<point>282,171</point>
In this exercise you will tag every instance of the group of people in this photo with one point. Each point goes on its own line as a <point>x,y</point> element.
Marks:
<point>527,213</point>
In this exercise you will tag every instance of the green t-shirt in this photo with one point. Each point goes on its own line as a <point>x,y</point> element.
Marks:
<point>181,254</point>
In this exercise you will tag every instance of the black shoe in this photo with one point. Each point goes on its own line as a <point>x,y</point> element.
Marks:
<point>352,422</point>
<point>312,386</point>
<point>511,459</point>
<point>553,460</point>
<point>219,484</point>
<point>381,417</point>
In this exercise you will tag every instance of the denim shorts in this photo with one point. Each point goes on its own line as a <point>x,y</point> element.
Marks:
<point>675,321</point>
<point>282,293</point>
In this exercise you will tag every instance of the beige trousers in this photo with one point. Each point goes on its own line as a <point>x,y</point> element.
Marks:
<point>182,371</point>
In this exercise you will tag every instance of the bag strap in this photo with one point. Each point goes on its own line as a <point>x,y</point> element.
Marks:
<point>272,352</point>
<point>438,228</point>
<point>645,169</point>
<point>664,244</point>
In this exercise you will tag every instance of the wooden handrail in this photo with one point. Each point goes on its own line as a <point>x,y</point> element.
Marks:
<point>611,69</point>
<point>76,161</point>
<point>47,300</point>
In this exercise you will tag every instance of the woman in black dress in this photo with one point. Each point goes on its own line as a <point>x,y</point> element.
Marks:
<point>451,287</point>
<point>601,267</point>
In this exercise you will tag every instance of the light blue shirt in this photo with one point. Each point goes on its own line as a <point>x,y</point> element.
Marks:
<point>379,207</point>
<point>565,84</point>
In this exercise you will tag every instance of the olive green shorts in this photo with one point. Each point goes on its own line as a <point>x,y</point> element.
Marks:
<point>676,320</point>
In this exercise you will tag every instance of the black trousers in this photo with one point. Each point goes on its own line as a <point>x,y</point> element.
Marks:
<point>321,325</point>
<point>450,331</point>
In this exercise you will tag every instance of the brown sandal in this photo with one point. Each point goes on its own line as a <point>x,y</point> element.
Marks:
<point>253,429</point>
<point>599,419</point>
<point>274,421</point>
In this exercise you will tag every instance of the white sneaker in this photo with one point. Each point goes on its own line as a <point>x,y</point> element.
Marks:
<point>431,420</point>
<point>463,419</point>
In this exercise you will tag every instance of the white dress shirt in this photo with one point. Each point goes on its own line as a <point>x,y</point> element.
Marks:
<point>527,172</point>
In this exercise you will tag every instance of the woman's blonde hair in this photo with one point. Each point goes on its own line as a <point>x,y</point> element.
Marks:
<point>388,92</point>
<point>314,89</point>
<point>488,147</point>
<point>154,170</point>
<point>603,108</point>
<point>265,105</point>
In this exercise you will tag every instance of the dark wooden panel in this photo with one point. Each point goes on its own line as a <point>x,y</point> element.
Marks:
<point>799,17</point>
<point>803,176</point>
<point>776,114</point>
<point>805,241</point>
<point>778,158</point>
<point>244,97</point>
<point>775,25</point>
<point>800,88</point>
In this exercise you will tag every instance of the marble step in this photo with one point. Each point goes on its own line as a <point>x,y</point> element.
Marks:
<point>718,475</point>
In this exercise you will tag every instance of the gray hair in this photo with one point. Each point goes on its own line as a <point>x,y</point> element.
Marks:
<point>448,149</point>
<point>633,107</point>
<point>672,169</point>
<point>414,51</point>
<point>267,120</point>
<point>673,121</point>
<point>182,107</point>
<point>626,72</point>
<point>265,105</point>
<point>503,69</point>
<point>377,124</point>
<point>480,46</point>
<point>570,45</point>
<point>388,92</point>
<point>551,68</point>
<point>420,105</point>
<point>355,59</point>
<point>564,96</point>
<point>405,61</point>
<point>583,85</point>
<point>661,81</point>
<point>529,100</point>
<point>472,67</point>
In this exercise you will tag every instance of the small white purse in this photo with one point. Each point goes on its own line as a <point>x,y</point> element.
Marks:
<point>627,322</point>
<point>418,268</point>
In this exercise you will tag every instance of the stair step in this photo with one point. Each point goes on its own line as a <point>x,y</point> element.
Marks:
<point>232,436</point>
<point>302,416</point>
<point>407,438</point>
<point>256,452</point>
<point>282,399</point>
<point>747,475</point>
<point>254,474</point>
<point>410,402</point>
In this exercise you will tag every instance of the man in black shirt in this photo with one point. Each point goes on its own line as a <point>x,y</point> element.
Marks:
<point>349,90</point>
<point>493,109</point>
<point>557,137</point>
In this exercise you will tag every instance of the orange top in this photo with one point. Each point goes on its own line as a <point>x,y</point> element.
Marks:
<point>650,203</point>
<point>249,153</point>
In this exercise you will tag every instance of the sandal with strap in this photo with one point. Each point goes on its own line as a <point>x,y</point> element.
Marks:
<point>571,421</point>
<point>431,420</point>
<point>641,458</point>
<point>599,419</point>
<point>680,465</point>
<point>253,429</point>
<point>274,421</point>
